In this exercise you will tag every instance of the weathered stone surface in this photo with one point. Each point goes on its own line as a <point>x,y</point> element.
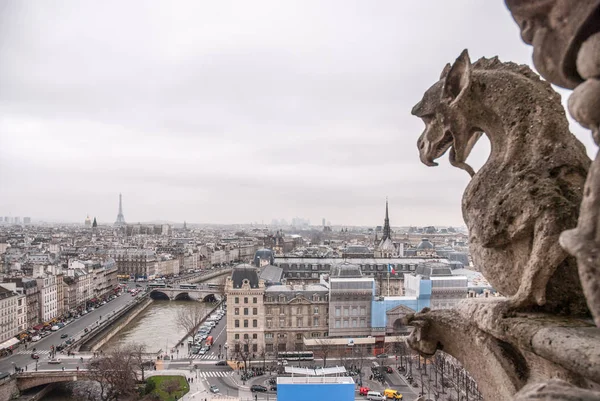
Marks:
<point>530,188</point>
<point>584,105</point>
<point>504,354</point>
<point>555,29</point>
<point>555,390</point>
<point>564,36</point>
<point>588,58</point>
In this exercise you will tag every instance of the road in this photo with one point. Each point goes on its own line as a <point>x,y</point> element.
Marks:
<point>22,356</point>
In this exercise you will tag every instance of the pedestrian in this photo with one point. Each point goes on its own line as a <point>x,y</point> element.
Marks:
<point>25,368</point>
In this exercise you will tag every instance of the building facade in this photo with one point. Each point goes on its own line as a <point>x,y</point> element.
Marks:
<point>293,313</point>
<point>8,314</point>
<point>245,313</point>
<point>350,297</point>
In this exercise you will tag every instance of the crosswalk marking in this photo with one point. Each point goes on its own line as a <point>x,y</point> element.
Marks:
<point>205,356</point>
<point>42,351</point>
<point>214,374</point>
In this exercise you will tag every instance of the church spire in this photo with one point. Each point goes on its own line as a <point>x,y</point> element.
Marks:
<point>387,232</point>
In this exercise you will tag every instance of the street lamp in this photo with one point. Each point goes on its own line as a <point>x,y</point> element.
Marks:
<point>226,347</point>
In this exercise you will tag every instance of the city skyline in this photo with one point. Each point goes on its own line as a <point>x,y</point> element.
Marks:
<point>211,114</point>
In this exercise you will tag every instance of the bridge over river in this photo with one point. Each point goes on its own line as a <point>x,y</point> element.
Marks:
<point>201,292</point>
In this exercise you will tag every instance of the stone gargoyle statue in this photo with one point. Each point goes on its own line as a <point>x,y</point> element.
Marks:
<point>530,188</point>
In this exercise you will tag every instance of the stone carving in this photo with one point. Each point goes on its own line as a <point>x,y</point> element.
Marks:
<point>566,50</point>
<point>524,355</point>
<point>528,191</point>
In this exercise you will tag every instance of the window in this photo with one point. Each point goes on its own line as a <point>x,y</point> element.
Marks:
<point>245,336</point>
<point>299,336</point>
<point>315,335</point>
<point>354,311</point>
<point>255,311</point>
<point>298,310</point>
<point>363,310</point>
<point>245,300</point>
<point>281,322</point>
<point>269,347</point>
<point>363,323</point>
<point>237,311</point>
<point>316,310</point>
<point>315,321</point>
<point>254,323</point>
<point>245,322</point>
<point>337,311</point>
<point>254,300</point>
<point>268,336</point>
<point>255,336</point>
<point>254,347</point>
<point>237,323</point>
<point>337,324</point>
<point>268,310</point>
<point>345,324</point>
<point>354,323</point>
<point>346,311</point>
<point>245,311</point>
<point>237,336</point>
<point>269,323</point>
<point>299,322</point>
<point>237,300</point>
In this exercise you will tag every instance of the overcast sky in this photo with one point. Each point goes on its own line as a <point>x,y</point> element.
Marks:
<point>233,111</point>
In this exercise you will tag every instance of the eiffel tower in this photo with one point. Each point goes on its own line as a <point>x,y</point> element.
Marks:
<point>120,218</point>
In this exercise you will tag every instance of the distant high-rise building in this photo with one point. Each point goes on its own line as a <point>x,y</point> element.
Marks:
<point>26,220</point>
<point>88,222</point>
<point>324,222</point>
<point>120,218</point>
<point>17,220</point>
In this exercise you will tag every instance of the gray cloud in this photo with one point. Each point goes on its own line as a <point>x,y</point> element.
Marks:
<point>233,111</point>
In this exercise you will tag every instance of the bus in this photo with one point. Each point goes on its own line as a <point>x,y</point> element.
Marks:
<point>214,286</point>
<point>123,277</point>
<point>184,286</point>
<point>156,285</point>
<point>296,356</point>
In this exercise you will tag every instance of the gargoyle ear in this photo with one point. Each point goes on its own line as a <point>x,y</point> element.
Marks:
<point>458,78</point>
<point>445,71</point>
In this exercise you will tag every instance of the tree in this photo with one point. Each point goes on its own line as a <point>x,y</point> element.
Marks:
<point>138,351</point>
<point>115,374</point>
<point>324,347</point>
<point>189,319</point>
<point>170,386</point>
<point>243,351</point>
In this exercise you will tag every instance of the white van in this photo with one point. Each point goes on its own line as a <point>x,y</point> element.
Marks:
<point>375,396</point>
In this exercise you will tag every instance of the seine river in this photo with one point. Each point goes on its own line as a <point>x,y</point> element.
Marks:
<point>155,327</point>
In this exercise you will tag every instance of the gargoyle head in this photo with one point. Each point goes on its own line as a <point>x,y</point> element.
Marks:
<point>444,111</point>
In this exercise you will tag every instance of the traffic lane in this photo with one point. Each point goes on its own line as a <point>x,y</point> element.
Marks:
<point>225,385</point>
<point>23,356</point>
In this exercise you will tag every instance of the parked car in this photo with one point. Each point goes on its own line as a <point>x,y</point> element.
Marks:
<point>258,388</point>
<point>274,387</point>
<point>221,363</point>
<point>64,335</point>
<point>364,390</point>
<point>35,356</point>
<point>36,338</point>
<point>214,389</point>
<point>382,356</point>
<point>393,394</point>
<point>55,361</point>
<point>54,328</point>
<point>203,350</point>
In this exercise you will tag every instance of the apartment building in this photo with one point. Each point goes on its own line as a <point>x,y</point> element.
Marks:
<point>9,327</point>
<point>245,311</point>
<point>294,312</point>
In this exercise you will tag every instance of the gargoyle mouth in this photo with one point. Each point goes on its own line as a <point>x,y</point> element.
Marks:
<point>432,151</point>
